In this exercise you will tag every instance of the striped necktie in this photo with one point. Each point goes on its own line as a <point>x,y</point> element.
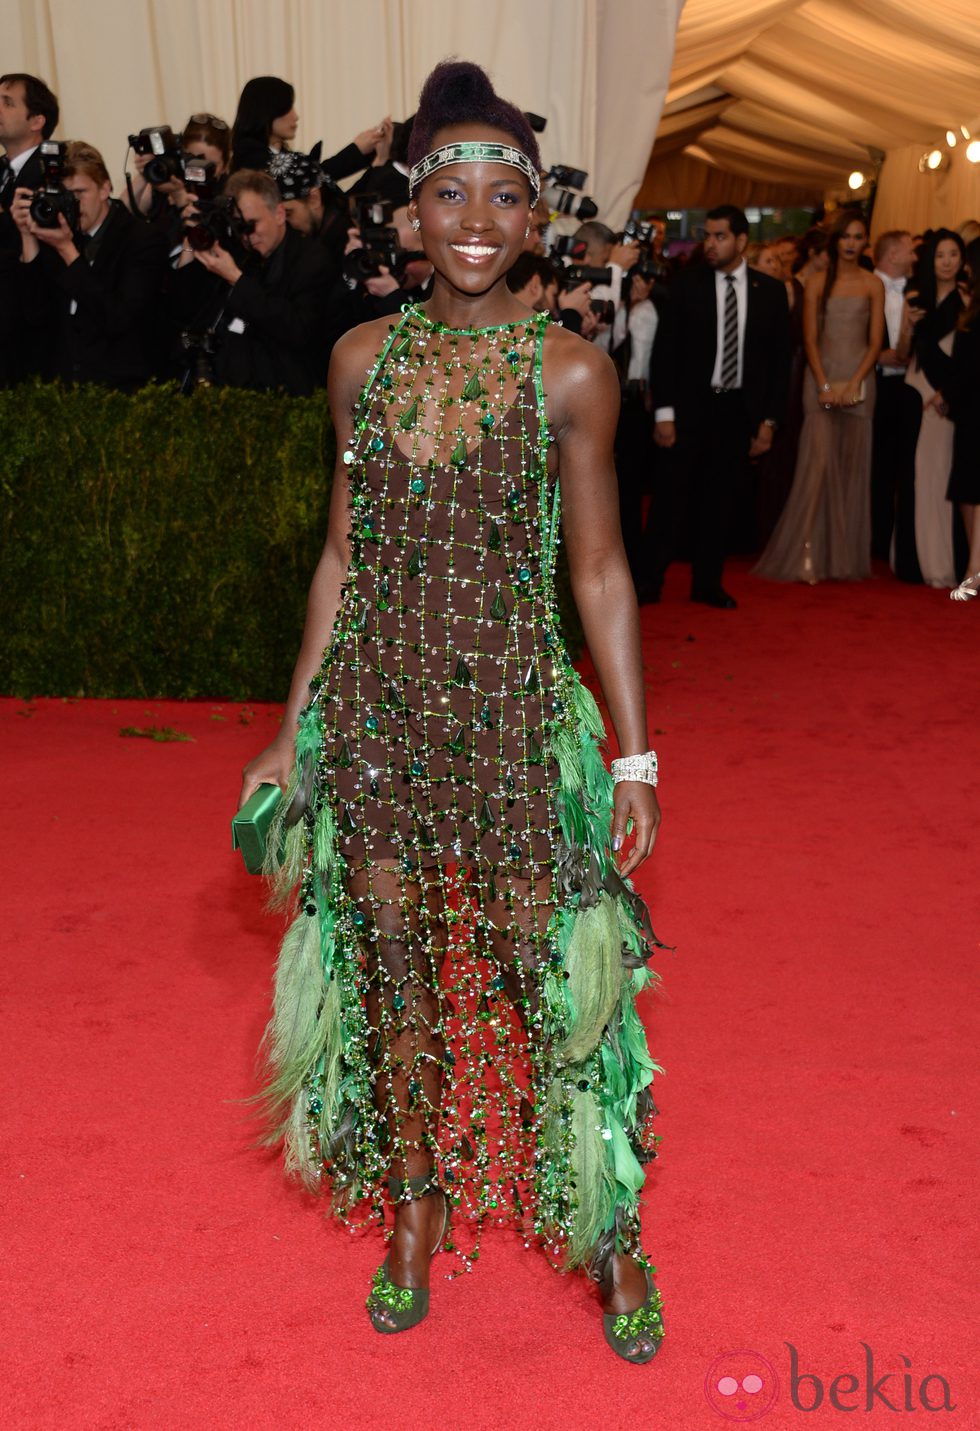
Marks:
<point>729,346</point>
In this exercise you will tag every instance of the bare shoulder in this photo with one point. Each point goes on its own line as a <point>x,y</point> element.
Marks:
<point>576,373</point>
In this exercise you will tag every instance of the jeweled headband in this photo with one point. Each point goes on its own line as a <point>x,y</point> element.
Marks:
<point>476,153</point>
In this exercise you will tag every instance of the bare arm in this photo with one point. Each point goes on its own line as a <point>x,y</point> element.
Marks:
<point>876,334</point>
<point>811,309</point>
<point>584,386</point>
<point>351,356</point>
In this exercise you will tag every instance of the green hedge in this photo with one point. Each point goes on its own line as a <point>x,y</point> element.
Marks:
<point>153,545</point>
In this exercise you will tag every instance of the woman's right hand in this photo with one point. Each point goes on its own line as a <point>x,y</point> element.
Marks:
<point>272,766</point>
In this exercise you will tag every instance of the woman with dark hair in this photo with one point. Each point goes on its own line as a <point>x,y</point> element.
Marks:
<point>205,137</point>
<point>455,1000</point>
<point>934,305</point>
<point>962,384</point>
<point>267,121</point>
<point>825,530</point>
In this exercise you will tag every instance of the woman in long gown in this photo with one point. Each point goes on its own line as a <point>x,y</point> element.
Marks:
<point>962,387</point>
<point>454,1013</point>
<point>825,528</point>
<point>934,305</point>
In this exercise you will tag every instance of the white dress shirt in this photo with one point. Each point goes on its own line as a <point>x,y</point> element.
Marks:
<point>740,276</point>
<point>894,316</point>
<point>641,324</point>
<point>614,291</point>
<point>17,164</point>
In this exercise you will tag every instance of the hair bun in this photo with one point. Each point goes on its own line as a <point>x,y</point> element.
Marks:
<point>461,92</point>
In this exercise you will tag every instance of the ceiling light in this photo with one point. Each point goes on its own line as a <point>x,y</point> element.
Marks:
<point>855,180</point>
<point>964,131</point>
<point>951,138</point>
<point>934,158</point>
<point>973,151</point>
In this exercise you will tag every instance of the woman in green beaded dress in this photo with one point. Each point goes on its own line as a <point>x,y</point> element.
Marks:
<point>454,1020</point>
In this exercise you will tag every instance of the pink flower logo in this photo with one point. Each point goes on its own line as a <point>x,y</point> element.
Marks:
<point>741,1385</point>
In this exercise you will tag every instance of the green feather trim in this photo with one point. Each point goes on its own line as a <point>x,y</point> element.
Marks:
<point>585,708</point>
<point>593,1187</point>
<point>594,967</point>
<point>325,840</point>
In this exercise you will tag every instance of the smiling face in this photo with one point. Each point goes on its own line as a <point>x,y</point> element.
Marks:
<point>473,216</point>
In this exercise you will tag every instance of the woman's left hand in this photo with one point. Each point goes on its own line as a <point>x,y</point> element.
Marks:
<point>851,395</point>
<point>635,800</point>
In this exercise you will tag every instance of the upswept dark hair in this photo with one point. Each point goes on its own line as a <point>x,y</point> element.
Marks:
<point>458,92</point>
<point>38,99</point>
<point>924,278</point>
<point>263,100</point>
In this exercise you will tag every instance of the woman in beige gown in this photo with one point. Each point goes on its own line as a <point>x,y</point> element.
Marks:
<point>825,527</point>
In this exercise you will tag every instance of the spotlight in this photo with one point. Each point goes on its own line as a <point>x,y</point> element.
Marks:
<point>973,151</point>
<point>964,131</point>
<point>934,158</point>
<point>951,138</point>
<point>855,180</point>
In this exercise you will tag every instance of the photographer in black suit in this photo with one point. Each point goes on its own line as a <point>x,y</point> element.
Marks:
<point>719,374</point>
<point>90,285</point>
<point>263,313</point>
<point>28,115</point>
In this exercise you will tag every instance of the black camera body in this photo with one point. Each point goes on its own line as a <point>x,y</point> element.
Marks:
<point>372,216</point>
<point>573,275</point>
<point>559,182</point>
<point>160,142</point>
<point>50,200</point>
<point>200,177</point>
<point>218,221</point>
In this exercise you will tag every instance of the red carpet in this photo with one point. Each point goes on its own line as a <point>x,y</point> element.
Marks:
<point>817,871</point>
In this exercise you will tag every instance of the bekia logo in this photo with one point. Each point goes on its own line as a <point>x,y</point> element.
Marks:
<point>744,1386</point>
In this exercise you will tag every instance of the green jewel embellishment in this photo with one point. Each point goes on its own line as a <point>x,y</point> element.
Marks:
<point>360,919</point>
<point>377,444</point>
<point>534,754</point>
<point>487,421</point>
<point>493,537</point>
<point>398,1003</point>
<point>513,852</point>
<point>474,389</point>
<point>415,561</point>
<point>375,788</point>
<point>344,760</point>
<point>360,620</point>
<point>371,723</point>
<point>486,720</point>
<point>417,768</point>
<point>498,609</point>
<point>460,453</point>
<point>400,350</point>
<point>348,457</point>
<point>645,1319</point>
<point>387,381</point>
<point>417,485</point>
<point>385,1293</point>
<point>492,894</point>
<point>396,700</point>
<point>513,356</point>
<point>531,685</point>
<point>410,417</point>
<point>458,743</point>
<point>524,575</point>
<point>462,676</point>
<point>487,821</point>
<point>348,824</point>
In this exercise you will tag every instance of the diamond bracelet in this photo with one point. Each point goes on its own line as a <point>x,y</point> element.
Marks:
<point>636,767</point>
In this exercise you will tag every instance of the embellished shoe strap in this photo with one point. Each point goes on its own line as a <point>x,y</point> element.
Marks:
<point>423,1186</point>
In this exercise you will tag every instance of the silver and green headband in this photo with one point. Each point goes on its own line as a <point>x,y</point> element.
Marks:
<point>476,153</point>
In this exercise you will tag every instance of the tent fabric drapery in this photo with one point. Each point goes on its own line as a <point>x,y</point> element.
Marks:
<point>795,93</point>
<point>118,65</point>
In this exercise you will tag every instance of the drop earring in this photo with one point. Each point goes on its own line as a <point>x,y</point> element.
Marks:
<point>416,224</point>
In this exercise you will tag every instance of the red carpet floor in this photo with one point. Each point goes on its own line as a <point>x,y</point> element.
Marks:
<point>817,872</point>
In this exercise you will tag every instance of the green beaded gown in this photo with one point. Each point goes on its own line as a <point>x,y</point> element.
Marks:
<point>457,987</point>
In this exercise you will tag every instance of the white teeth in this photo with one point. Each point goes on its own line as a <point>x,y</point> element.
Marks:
<point>478,250</point>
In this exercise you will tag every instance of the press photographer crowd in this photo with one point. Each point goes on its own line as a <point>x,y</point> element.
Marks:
<point>813,397</point>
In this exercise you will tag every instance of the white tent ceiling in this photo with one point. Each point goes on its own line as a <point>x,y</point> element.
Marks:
<point>792,94</point>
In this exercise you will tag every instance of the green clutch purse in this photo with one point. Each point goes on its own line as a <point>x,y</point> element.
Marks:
<point>250,827</point>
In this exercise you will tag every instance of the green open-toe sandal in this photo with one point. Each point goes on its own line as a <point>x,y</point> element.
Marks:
<point>636,1336</point>
<point>393,1308</point>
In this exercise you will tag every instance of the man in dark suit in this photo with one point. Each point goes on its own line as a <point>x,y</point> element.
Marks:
<point>718,378</point>
<point>90,288</point>
<point>28,114</point>
<point>265,308</point>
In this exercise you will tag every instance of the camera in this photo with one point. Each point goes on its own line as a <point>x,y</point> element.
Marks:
<point>648,265</point>
<point>372,217</point>
<point>50,200</point>
<point>574,274</point>
<point>217,221</point>
<point>199,177</point>
<point>559,182</point>
<point>160,142</point>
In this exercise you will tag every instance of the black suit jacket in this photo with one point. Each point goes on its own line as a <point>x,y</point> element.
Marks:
<point>18,356</point>
<point>687,338</point>
<point>109,338</point>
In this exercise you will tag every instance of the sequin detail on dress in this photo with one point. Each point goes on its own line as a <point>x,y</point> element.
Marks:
<point>457,987</point>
